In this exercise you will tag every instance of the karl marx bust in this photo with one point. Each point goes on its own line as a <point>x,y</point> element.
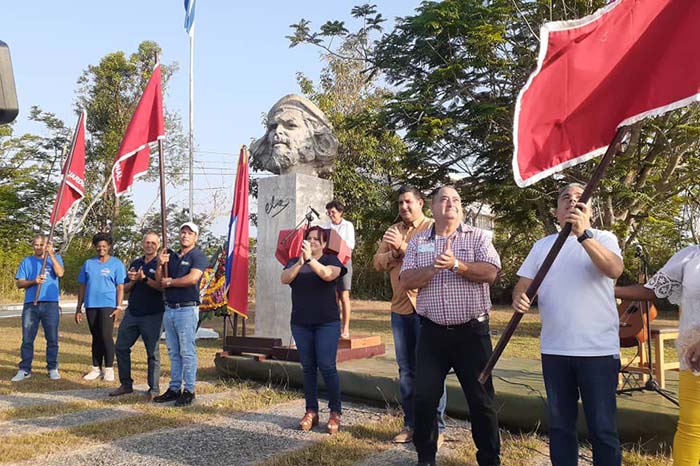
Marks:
<point>299,139</point>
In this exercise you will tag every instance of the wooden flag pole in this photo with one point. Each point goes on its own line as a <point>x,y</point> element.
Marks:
<point>56,206</point>
<point>615,147</point>
<point>163,214</point>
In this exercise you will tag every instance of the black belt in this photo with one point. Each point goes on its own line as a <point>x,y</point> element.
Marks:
<point>469,324</point>
<point>179,305</point>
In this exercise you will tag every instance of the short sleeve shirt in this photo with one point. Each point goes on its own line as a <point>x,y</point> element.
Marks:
<point>576,300</point>
<point>450,299</point>
<point>143,299</point>
<point>29,269</point>
<point>180,267</point>
<point>314,299</point>
<point>101,281</point>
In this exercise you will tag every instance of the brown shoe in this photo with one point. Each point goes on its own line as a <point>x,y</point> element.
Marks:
<point>309,420</point>
<point>121,390</point>
<point>405,436</point>
<point>333,423</point>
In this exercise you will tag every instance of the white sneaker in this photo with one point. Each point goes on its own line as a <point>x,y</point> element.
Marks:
<point>108,374</point>
<point>21,375</point>
<point>94,373</point>
<point>54,375</point>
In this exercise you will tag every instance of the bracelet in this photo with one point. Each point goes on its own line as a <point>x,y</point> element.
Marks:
<point>169,282</point>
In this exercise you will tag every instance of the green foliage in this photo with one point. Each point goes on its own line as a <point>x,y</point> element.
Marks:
<point>457,67</point>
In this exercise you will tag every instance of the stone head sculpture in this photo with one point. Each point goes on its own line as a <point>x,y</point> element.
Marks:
<point>299,139</point>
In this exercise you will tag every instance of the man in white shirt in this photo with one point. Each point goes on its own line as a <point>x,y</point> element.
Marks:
<point>346,230</point>
<point>580,331</point>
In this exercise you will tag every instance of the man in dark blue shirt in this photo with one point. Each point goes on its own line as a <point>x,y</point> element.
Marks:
<point>45,311</point>
<point>181,287</point>
<point>143,317</point>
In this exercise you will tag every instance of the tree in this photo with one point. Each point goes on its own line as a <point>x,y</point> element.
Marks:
<point>457,67</point>
<point>109,92</point>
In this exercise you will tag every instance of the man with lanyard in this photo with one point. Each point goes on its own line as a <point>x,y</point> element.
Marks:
<point>452,265</point>
<point>580,342</point>
<point>181,313</point>
<point>346,230</point>
<point>405,323</point>
<point>143,317</point>
<point>45,311</point>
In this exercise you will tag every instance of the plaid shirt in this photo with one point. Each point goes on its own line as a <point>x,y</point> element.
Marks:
<point>450,299</point>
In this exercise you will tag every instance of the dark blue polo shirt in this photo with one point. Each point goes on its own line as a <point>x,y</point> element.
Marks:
<point>144,300</point>
<point>181,266</point>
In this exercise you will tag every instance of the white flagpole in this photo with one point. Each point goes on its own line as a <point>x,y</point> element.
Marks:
<point>191,136</point>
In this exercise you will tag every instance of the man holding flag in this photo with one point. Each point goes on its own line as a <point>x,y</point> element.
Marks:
<point>45,311</point>
<point>38,274</point>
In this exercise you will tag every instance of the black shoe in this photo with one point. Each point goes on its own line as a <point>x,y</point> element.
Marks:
<point>169,395</point>
<point>185,399</point>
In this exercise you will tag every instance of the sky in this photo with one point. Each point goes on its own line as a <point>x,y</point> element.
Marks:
<point>242,66</point>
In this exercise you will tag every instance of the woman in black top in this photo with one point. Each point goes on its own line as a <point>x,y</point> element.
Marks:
<point>316,322</point>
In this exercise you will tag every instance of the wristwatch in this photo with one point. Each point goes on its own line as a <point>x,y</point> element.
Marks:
<point>144,279</point>
<point>587,234</point>
<point>455,268</point>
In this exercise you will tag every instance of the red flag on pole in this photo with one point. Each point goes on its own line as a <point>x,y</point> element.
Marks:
<point>630,60</point>
<point>238,237</point>
<point>73,188</point>
<point>146,126</point>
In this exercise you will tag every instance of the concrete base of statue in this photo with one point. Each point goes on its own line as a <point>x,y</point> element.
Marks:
<point>283,201</point>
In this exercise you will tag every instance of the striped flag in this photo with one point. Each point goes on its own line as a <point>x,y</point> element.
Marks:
<point>189,16</point>
<point>238,237</point>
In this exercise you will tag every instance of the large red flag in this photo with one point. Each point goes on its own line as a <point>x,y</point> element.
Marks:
<point>630,60</point>
<point>238,237</point>
<point>73,189</point>
<point>145,127</point>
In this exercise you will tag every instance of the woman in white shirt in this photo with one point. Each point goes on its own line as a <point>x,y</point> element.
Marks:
<point>679,282</point>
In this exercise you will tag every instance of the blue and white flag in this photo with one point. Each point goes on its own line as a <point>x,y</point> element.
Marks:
<point>189,16</point>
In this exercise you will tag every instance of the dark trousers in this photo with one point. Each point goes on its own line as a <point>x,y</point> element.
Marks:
<point>101,327</point>
<point>148,327</point>
<point>317,346</point>
<point>465,349</point>
<point>595,380</point>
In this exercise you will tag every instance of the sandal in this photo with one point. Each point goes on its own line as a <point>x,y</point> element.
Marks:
<point>309,420</point>
<point>334,423</point>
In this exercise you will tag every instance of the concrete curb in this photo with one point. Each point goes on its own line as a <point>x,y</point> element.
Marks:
<point>518,407</point>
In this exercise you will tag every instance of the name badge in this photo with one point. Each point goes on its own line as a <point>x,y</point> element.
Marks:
<point>426,247</point>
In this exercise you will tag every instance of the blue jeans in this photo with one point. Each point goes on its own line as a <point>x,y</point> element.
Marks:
<point>317,346</point>
<point>180,330</point>
<point>595,380</point>
<point>47,314</point>
<point>406,329</point>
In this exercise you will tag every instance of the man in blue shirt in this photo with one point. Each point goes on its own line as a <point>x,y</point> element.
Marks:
<point>181,287</point>
<point>143,318</point>
<point>45,311</point>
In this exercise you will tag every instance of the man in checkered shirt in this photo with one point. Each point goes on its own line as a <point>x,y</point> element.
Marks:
<point>452,265</point>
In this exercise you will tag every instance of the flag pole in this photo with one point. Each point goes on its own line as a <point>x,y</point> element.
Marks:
<point>615,147</point>
<point>57,204</point>
<point>191,135</point>
<point>163,208</point>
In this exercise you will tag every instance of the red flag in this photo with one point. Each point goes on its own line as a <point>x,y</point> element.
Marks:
<point>145,127</point>
<point>630,60</point>
<point>238,237</point>
<point>73,188</point>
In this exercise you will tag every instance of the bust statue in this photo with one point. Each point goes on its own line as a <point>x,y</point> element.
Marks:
<point>299,139</point>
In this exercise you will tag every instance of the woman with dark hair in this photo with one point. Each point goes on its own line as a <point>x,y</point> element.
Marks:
<point>315,322</point>
<point>101,281</point>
